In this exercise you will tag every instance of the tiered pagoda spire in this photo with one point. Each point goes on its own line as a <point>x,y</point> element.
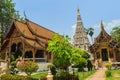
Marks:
<point>80,37</point>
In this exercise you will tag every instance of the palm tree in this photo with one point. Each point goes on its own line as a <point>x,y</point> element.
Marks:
<point>90,32</point>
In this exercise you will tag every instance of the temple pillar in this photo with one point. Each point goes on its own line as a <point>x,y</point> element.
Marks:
<point>45,56</point>
<point>33,57</point>
<point>23,55</point>
<point>0,59</point>
<point>33,52</point>
<point>100,55</point>
<point>7,62</point>
<point>95,56</point>
<point>8,52</point>
<point>114,56</point>
<point>23,51</point>
<point>10,47</point>
<point>109,60</point>
<point>100,59</point>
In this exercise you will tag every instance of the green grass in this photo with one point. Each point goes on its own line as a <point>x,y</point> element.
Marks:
<point>39,75</point>
<point>115,75</point>
<point>84,75</point>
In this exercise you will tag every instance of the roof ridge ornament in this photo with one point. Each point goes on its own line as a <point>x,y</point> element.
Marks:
<point>25,15</point>
<point>13,17</point>
<point>102,26</point>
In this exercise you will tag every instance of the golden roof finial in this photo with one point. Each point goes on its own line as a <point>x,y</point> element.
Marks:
<point>13,17</point>
<point>102,26</point>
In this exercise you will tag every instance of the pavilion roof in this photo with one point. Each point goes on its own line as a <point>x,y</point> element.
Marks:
<point>33,34</point>
<point>103,37</point>
<point>103,34</point>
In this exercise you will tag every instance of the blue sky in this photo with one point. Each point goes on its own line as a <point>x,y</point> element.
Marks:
<point>61,15</point>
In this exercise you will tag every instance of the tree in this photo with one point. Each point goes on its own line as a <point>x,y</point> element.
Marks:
<point>85,55</point>
<point>79,58</point>
<point>7,11</point>
<point>28,67</point>
<point>61,51</point>
<point>90,32</point>
<point>115,33</point>
<point>89,65</point>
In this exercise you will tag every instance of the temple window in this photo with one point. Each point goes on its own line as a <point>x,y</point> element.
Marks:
<point>15,52</point>
<point>13,47</point>
<point>19,50</point>
<point>111,54</point>
<point>98,55</point>
<point>28,54</point>
<point>39,54</point>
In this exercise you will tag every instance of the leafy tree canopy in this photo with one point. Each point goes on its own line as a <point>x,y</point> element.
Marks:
<point>61,50</point>
<point>115,33</point>
<point>64,54</point>
<point>79,57</point>
<point>7,11</point>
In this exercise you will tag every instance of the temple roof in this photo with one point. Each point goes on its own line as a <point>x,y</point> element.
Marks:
<point>103,34</point>
<point>40,31</point>
<point>33,34</point>
<point>103,37</point>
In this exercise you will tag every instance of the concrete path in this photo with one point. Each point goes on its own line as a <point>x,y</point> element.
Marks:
<point>99,75</point>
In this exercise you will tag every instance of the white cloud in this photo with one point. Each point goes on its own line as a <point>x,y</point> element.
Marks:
<point>73,27</point>
<point>112,24</point>
<point>107,26</point>
<point>96,26</point>
<point>73,31</point>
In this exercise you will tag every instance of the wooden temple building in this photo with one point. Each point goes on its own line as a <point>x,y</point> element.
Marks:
<point>27,40</point>
<point>104,48</point>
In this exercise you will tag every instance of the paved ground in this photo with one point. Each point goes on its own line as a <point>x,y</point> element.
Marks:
<point>99,75</point>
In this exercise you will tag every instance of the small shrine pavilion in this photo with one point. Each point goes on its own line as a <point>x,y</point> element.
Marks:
<point>104,48</point>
